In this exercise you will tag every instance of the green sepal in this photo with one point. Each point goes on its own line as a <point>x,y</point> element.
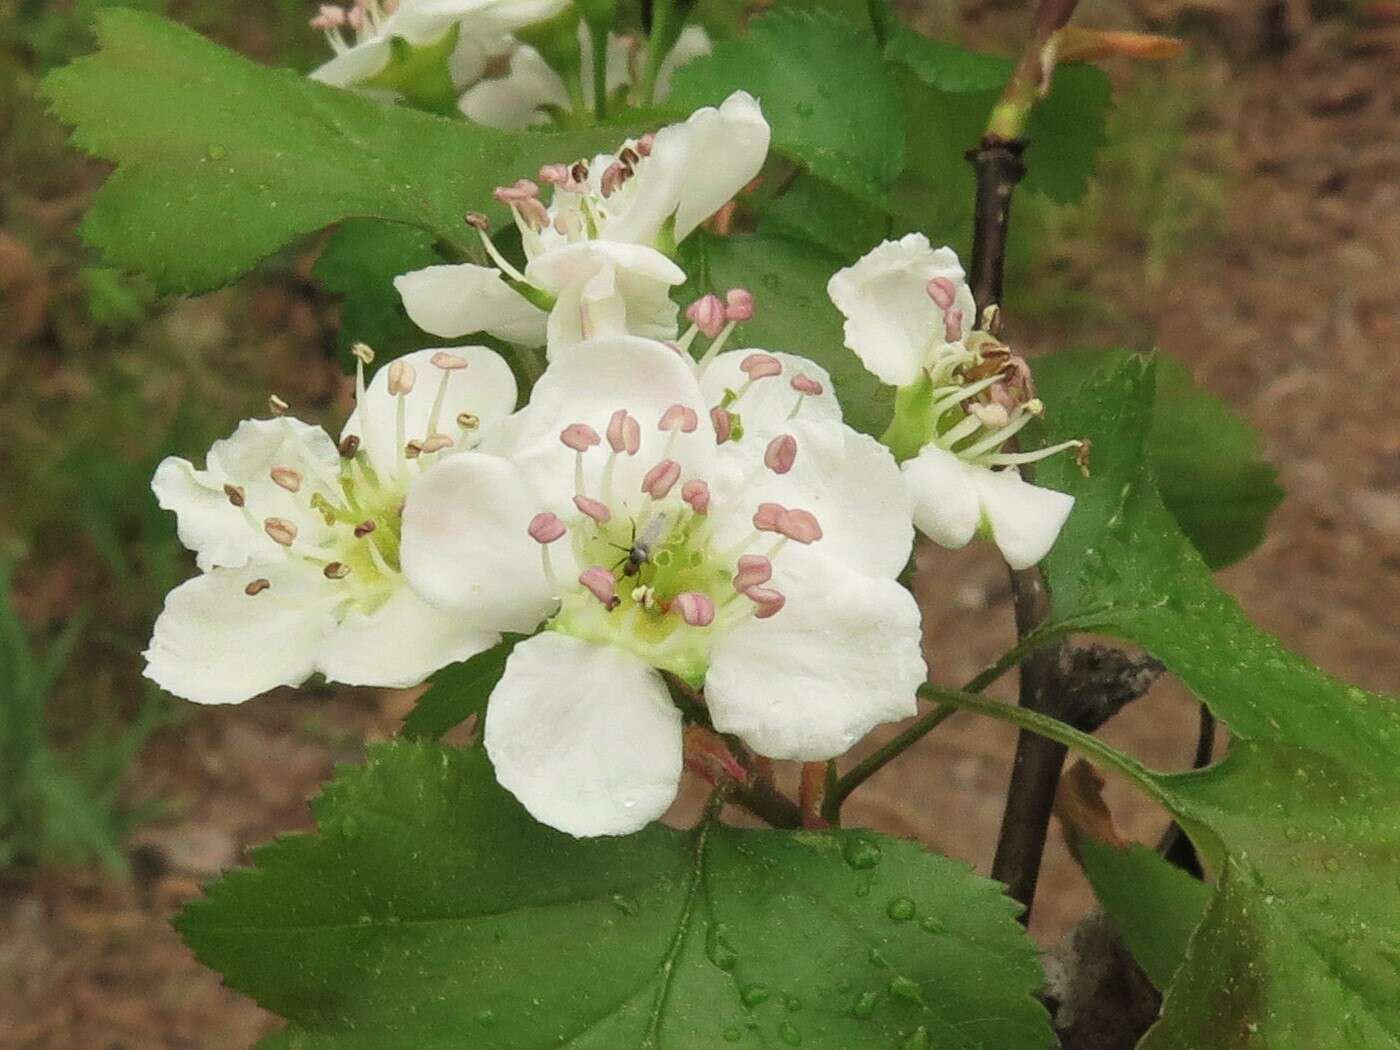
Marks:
<point>421,73</point>
<point>532,295</point>
<point>913,424</point>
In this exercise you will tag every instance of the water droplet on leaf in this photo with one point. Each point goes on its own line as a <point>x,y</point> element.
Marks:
<point>900,909</point>
<point>861,853</point>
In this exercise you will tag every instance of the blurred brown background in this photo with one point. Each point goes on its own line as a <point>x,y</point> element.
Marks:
<point>1246,221</point>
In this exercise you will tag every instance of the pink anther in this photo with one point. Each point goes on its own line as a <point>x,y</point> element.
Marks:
<point>754,570</point>
<point>780,454</point>
<point>579,436</point>
<point>768,599</point>
<point>695,608</point>
<point>800,525</point>
<point>600,583</point>
<point>942,291</point>
<point>696,493</point>
<point>546,527</point>
<point>661,478</point>
<point>595,509</point>
<point>738,304</point>
<point>952,325</point>
<point>806,385</point>
<point>723,423</point>
<point>769,517</point>
<point>761,366</point>
<point>707,314</point>
<point>679,417</point>
<point>624,432</point>
<point>519,190</point>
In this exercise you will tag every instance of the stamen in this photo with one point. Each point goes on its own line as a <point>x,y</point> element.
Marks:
<point>942,291</point>
<point>349,445</point>
<point>448,362</point>
<point>579,436</point>
<point>256,587</point>
<point>413,449</point>
<point>402,377</point>
<point>754,570</point>
<point>723,423</point>
<point>287,478</point>
<point>236,494</point>
<point>645,143</point>
<point>679,417</point>
<point>519,190</point>
<point>1012,459</point>
<point>363,353</point>
<point>546,527</point>
<point>660,479</point>
<point>336,570</point>
<point>364,528</point>
<point>625,433</point>
<point>595,509</point>
<point>280,530</point>
<point>993,417</point>
<point>696,609</point>
<point>696,493</point>
<point>769,601</point>
<point>800,525</point>
<point>738,305</point>
<point>276,406</point>
<point>467,421</point>
<point>780,454</point>
<point>760,366</point>
<point>806,385</point>
<point>768,517</point>
<point>435,443</point>
<point>952,325</point>
<point>600,583</point>
<point>707,314</point>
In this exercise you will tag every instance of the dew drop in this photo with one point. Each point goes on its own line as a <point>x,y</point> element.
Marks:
<point>754,994</point>
<point>861,853</point>
<point>864,1006</point>
<point>733,1034</point>
<point>900,909</point>
<point>718,949</point>
<point>930,925</point>
<point>788,1033</point>
<point>1332,864</point>
<point>791,1003</point>
<point>217,152</point>
<point>904,988</point>
<point>864,886</point>
<point>626,905</point>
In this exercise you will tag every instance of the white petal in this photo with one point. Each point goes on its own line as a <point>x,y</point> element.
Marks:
<point>517,99</point>
<point>576,263</point>
<point>847,479</point>
<point>485,388</point>
<point>944,494</point>
<point>769,402</point>
<point>452,301</point>
<point>466,546</point>
<point>1025,519</point>
<point>355,65</point>
<point>606,288</point>
<point>890,320</point>
<point>218,532</point>
<point>400,644</point>
<point>215,644</point>
<point>587,383</point>
<point>693,43</point>
<point>585,736</point>
<point>841,657</point>
<point>694,169</point>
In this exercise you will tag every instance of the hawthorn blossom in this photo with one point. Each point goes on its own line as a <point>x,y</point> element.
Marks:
<point>761,569</point>
<point>531,88</point>
<point>469,32</point>
<point>963,397</point>
<point>298,538</point>
<point>595,257</point>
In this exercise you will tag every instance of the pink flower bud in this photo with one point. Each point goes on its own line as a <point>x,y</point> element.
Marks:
<point>579,436</point>
<point>754,570</point>
<point>805,384</point>
<point>600,583</point>
<point>738,304</point>
<point>768,517</point>
<point>595,509</point>
<point>800,525</point>
<point>661,478</point>
<point>942,291</point>
<point>707,314</point>
<point>546,527</point>
<point>696,493</point>
<point>695,608</point>
<point>679,417</point>
<point>780,454</point>
<point>761,366</point>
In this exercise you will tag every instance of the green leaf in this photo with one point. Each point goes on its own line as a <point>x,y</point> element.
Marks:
<point>1154,904</point>
<point>1065,132</point>
<point>359,263</point>
<point>458,692</point>
<point>205,140</point>
<point>430,911</point>
<point>817,212</point>
<point>793,312</point>
<point>1207,461</point>
<point>1123,567</point>
<point>826,91</point>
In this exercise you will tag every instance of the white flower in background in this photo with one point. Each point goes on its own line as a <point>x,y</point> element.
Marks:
<point>361,34</point>
<point>298,539</point>
<point>531,88</point>
<point>761,569</point>
<point>595,261</point>
<point>965,395</point>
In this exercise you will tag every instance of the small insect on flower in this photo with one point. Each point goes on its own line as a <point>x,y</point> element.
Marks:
<point>638,553</point>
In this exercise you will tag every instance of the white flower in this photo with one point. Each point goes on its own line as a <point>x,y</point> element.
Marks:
<point>531,87</point>
<point>361,34</point>
<point>761,569</point>
<point>592,261</point>
<point>893,323</point>
<point>963,397</point>
<point>298,539</point>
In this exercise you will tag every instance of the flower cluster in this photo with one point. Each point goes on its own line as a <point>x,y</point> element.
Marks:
<point>664,515</point>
